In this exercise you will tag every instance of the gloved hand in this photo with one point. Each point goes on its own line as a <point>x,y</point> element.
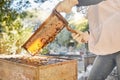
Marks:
<point>81,37</point>
<point>66,5</point>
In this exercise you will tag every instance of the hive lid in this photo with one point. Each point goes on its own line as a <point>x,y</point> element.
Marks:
<point>36,60</point>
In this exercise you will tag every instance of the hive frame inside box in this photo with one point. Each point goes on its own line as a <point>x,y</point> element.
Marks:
<point>66,70</point>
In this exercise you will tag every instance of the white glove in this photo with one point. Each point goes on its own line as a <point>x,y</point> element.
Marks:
<point>81,37</point>
<point>66,5</point>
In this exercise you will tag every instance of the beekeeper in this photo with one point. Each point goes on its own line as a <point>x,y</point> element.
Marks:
<point>103,39</point>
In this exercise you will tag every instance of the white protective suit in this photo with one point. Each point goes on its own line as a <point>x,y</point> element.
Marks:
<point>104,25</point>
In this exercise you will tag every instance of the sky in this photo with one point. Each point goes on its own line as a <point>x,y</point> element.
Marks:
<point>31,4</point>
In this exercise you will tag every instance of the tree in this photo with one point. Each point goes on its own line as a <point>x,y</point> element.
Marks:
<point>11,28</point>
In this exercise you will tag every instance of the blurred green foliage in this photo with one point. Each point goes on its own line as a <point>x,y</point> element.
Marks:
<point>12,32</point>
<point>80,25</point>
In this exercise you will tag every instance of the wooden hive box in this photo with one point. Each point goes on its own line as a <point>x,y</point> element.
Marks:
<point>16,70</point>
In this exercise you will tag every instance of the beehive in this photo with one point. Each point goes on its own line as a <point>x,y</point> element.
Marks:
<point>43,68</point>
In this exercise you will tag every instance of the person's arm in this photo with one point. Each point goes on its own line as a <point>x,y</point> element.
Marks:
<point>88,2</point>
